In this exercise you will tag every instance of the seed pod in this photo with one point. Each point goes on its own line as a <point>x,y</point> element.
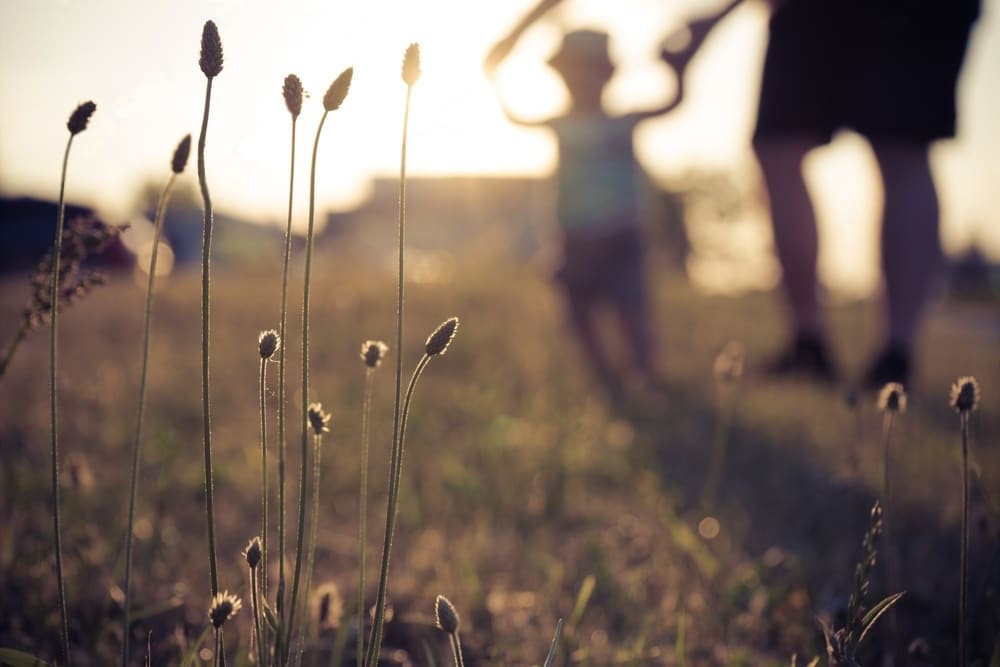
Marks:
<point>965,394</point>
<point>292,92</point>
<point>411,64</point>
<point>445,615</point>
<point>78,120</point>
<point>892,398</point>
<point>437,342</point>
<point>181,154</point>
<point>224,606</point>
<point>253,552</point>
<point>337,91</point>
<point>318,419</point>
<point>372,352</point>
<point>211,50</point>
<point>268,343</point>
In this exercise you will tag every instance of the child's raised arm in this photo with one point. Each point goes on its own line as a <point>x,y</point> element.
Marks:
<point>500,50</point>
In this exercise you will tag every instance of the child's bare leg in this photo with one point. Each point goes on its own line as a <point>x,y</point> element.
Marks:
<point>582,317</point>
<point>638,332</point>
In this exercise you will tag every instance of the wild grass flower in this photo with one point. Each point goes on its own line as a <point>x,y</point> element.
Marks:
<point>892,402</point>
<point>292,91</point>
<point>447,619</point>
<point>410,73</point>
<point>372,354</point>
<point>177,164</point>
<point>224,606</point>
<point>83,236</point>
<point>842,644</point>
<point>254,554</point>
<point>437,343</point>
<point>77,123</point>
<point>728,372</point>
<point>268,343</point>
<point>332,100</point>
<point>327,606</point>
<point>964,399</point>
<point>319,419</point>
<point>210,62</point>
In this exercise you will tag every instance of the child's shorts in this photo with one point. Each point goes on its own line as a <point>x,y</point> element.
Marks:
<point>606,267</point>
<point>884,68</point>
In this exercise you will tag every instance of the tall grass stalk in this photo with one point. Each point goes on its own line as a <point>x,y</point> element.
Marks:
<point>77,123</point>
<point>372,353</point>
<point>292,92</point>
<point>211,65</point>
<point>319,420</point>
<point>332,100</point>
<point>891,401</point>
<point>437,343</point>
<point>254,554</point>
<point>177,164</point>
<point>268,345</point>
<point>965,399</point>
<point>410,74</point>
<point>448,620</point>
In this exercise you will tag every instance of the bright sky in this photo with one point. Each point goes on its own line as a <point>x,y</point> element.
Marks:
<point>138,61</point>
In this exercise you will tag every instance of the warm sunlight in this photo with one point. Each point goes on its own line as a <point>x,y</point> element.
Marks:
<point>56,54</point>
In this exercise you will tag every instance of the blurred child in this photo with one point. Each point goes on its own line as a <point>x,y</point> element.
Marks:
<point>597,205</point>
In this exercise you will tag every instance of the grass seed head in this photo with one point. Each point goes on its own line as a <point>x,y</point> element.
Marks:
<point>328,606</point>
<point>965,394</point>
<point>337,91</point>
<point>318,419</point>
<point>78,120</point>
<point>224,606</point>
<point>292,92</point>
<point>437,342</point>
<point>211,50</point>
<point>445,615</point>
<point>728,365</point>
<point>181,154</point>
<point>372,352</point>
<point>892,398</point>
<point>253,552</point>
<point>411,64</point>
<point>268,343</point>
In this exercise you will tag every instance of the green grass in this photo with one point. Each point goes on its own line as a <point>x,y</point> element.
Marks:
<point>521,480</point>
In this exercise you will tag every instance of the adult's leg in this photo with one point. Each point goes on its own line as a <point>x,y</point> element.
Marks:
<point>794,224</point>
<point>911,249</point>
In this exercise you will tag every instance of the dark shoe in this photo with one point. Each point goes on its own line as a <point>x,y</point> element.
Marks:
<point>806,356</point>
<point>892,365</point>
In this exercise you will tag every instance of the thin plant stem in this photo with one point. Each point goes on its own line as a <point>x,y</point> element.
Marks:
<point>456,649</point>
<point>371,653</point>
<point>53,403</point>
<point>19,337</point>
<point>281,384</point>
<point>395,468</point>
<point>719,446</point>
<point>964,567</point>
<point>317,453</point>
<point>304,421</point>
<point>219,658</point>
<point>887,516</point>
<point>257,624</point>
<point>206,254</point>
<point>161,208</point>
<point>263,476</point>
<point>363,511</point>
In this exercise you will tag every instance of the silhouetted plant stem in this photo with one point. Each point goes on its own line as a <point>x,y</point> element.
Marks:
<point>161,208</point>
<point>395,468</point>
<point>19,337</point>
<point>292,91</point>
<point>53,405</point>
<point>887,518</point>
<point>281,384</point>
<point>363,511</point>
<point>263,475</point>
<point>964,567</point>
<point>206,253</point>
<point>317,454</point>
<point>257,624</point>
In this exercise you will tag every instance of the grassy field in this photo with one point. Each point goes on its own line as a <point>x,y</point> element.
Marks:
<point>523,483</point>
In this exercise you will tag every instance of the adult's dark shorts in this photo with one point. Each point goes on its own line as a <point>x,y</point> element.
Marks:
<point>884,68</point>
